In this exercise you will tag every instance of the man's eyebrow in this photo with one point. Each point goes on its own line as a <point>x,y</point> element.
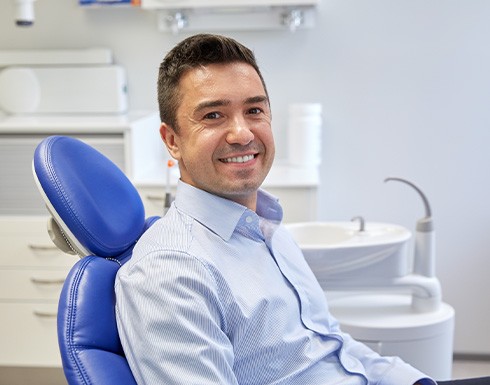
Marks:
<point>257,99</point>
<point>211,103</point>
<point>224,102</point>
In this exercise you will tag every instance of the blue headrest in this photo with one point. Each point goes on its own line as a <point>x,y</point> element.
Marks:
<point>94,204</point>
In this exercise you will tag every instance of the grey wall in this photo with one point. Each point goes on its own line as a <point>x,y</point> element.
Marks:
<point>405,87</point>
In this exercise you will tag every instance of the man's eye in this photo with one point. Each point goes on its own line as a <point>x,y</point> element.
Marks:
<point>212,115</point>
<point>254,111</point>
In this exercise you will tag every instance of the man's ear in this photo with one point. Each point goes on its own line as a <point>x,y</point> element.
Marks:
<point>170,139</point>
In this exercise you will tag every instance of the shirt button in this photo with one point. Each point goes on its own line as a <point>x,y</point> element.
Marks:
<point>249,219</point>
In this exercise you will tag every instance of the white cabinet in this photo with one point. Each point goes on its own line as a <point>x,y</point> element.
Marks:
<point>32,269</point>
<point>32,272</point>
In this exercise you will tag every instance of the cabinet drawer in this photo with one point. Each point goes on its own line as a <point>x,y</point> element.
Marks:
<point>28,335</point>
<point>33,285</point>
<point>24,242</point>
<point>32,252</point>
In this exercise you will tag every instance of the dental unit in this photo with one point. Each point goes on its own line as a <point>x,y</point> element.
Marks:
<point>374,256</point>
<point>381,285</point>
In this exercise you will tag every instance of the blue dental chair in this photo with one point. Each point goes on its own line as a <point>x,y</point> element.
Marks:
<point>96,213</point>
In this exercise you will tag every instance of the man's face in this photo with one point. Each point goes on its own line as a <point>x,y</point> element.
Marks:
<point>224,144</point>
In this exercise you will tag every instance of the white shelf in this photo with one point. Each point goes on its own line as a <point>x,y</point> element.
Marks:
<point>66,124</point>
<point>232,15</point>
<point>225,4</point>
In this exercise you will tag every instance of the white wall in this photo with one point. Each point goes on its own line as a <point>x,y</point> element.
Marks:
<point>405,85</point>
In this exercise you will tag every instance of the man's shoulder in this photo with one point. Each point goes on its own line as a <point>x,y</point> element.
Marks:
<point>172,231</point>
<point>174,238</point>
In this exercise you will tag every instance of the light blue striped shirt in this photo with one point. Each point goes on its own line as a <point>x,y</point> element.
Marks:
<point>218,294</point>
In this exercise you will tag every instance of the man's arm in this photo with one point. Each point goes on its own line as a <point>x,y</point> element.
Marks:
<point>170,322</point>
<point>384,370</point>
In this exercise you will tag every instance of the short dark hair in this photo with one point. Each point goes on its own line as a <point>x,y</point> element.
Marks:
<point>192,52</point>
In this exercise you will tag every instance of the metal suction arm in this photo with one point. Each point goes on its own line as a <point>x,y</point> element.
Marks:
<point>424,249</point>
<point>428,212</point>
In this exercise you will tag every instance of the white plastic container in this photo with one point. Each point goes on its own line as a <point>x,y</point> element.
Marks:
<point>304,134</point>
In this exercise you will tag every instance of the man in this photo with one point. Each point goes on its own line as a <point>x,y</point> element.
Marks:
<point>217,292</point>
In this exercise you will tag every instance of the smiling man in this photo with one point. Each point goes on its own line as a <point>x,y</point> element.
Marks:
<point>217,292</point>
<point>222,136</point>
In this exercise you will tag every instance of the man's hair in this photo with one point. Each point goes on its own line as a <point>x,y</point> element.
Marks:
<point>195,51</point>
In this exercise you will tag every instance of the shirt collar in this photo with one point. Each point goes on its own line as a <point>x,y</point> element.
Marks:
<point>219,214</point>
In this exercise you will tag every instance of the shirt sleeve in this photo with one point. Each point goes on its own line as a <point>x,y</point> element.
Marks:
<point>379,369</point>
<point>170,322</point>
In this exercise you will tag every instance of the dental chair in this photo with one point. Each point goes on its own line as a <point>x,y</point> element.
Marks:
<point>96,213</point>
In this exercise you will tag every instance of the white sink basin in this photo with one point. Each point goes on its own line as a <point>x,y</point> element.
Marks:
<point>338,251</point>
<point>320,235</point>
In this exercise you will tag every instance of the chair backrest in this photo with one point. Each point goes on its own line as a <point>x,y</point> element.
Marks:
<point>98,214</point>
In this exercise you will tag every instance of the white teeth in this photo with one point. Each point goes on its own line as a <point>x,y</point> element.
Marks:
<point>238,159</point>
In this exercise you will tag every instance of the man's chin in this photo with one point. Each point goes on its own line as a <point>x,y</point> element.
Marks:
<point>243,191</point>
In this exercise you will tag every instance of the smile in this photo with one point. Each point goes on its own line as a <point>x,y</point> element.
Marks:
<point>238,159</point>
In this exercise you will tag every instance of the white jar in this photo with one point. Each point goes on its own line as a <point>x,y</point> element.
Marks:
<point>304,134</point>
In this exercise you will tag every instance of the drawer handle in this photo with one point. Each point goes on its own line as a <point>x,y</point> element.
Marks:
<point>45,314</point>
<point>42,248</point>
<point>158,198</point>
<point>48,281</point>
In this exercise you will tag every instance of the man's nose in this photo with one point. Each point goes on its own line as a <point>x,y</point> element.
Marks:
<point>239,132</point>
